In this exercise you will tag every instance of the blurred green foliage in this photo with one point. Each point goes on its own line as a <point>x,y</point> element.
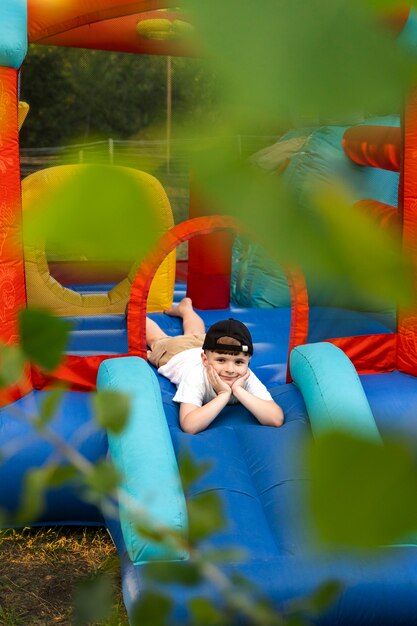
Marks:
<point>93,600</point>
<point>205,614</point>
<point>111,410</point>
<point>389,4</point>
<point>43,337</point>
<point>283,64</point>
<point>100,213</point>
<point>316,60</point>
<point>206,516</point>
<point>362,493</point>
<point>286,63</point>
<point>49,406</point>
<point>11,365</point>
<point>325,233</point>
<point>153,609</point>
<point>296,60</point>
<point>101,480</point>
<point>320,600</point>
<point>33,497</point>
<point>184,573</point>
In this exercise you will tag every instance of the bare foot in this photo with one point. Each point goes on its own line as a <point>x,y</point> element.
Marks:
<point>178,310</point>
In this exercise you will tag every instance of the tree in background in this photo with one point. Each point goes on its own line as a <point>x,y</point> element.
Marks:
<point>79,95</point>
<point>46,85</point>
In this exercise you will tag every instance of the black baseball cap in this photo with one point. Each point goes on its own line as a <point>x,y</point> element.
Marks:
<point>229,328</point>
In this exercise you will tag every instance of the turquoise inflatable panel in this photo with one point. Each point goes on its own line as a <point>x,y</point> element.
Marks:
<point>144,455</point>
<point>408,36</point>
<point>13,32</point>
<point>332,391</point>
<point>313,156</point>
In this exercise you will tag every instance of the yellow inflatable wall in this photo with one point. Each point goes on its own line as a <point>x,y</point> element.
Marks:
<point>45,291</point>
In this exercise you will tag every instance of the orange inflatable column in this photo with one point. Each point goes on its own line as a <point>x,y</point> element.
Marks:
<point>209,264</point>
<point>407,319</point>
<point>374,146</point>
<point>12,285</point>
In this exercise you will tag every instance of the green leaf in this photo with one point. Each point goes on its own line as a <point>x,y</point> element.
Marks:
<point>243,584</point>
<point>102,479</point>
<point>309,49</point>
<point>36,484</point>
<point>205,614</point>
<point>112,410</point>
<point>32,503</point>
<point>182,572</point>
<point>324,596</point>
<point>297,620</point>
<point>153,532</point>
<point>380,5</point>
<point>190,470</point>
<point>362,493</point>
<point>265,613</point>
<point>44,337</point>
<point>315,228</point>
<point>317,603</point>
<point>110,565</point>
<point>61,474</point>
<point>12,363</point>
<point>4,518</point>
<point>387,273</point>
<point>152,609</point>
<point>226,555</point>
<point>147,530</point>
<point>315,58</point>
<point>103,214</point>
<point>49,406</point>
<point>93,600</point>
<point>205,516</point>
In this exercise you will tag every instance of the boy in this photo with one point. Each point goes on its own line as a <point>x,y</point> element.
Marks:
<point>210,369</point>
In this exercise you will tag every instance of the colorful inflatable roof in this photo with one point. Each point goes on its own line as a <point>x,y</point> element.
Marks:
<point>123,26</point>
<point>109,25</point>
<point>138,26</point>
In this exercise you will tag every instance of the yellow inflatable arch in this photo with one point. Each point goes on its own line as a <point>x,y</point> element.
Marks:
<point>44,291</point>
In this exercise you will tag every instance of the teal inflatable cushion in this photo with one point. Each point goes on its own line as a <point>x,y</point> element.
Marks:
<point>144,455</point>
<point>332,391</point>
<point>13,32</point>
<point>408,36</point>
<point>257,280</point>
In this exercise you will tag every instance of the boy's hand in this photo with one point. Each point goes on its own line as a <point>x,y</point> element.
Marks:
<point>219,385</point>
<point>240,382</point>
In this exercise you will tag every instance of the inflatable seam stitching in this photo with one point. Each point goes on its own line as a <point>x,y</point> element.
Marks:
<point>319,387</point>
<point>133,537</point>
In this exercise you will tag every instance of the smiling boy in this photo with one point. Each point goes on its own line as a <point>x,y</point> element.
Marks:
<point>210,369</point>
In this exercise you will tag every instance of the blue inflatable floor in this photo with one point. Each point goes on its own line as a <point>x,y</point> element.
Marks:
<point>270,329</point>
<point>260,476</point>
<point>257,471</point>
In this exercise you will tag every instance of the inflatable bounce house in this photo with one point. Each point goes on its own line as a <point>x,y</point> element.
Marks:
<point>346,361</point>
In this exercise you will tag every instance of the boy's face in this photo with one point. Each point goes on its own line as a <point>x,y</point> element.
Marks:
<point>229,367</point>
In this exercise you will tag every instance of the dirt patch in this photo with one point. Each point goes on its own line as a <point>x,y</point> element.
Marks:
<point>39,568</point>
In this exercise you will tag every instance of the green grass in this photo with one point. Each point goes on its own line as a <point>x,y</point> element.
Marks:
<point>11,617</point>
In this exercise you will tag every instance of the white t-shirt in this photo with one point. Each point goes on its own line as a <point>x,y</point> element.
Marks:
<point>186,370</point>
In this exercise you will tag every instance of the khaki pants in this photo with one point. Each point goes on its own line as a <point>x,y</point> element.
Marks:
<point>164,349</point>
